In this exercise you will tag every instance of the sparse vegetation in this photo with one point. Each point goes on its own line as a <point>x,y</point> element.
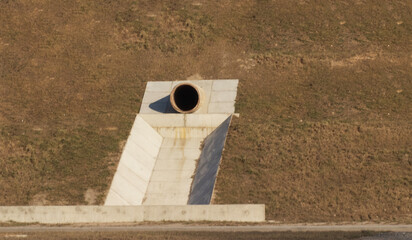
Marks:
<point>325,95</point>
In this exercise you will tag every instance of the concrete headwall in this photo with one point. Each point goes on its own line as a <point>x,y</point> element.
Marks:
<point>219,96</point>
<point>113,214</point>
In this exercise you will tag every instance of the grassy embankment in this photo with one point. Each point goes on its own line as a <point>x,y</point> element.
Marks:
<point>325,97</point>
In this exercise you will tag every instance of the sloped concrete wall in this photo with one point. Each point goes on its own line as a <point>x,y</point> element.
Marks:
<point>205,178</point>
<point>136,165</point>
<point>113,214</point>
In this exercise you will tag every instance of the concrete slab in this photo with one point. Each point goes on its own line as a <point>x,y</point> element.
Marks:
<point>141,168</point>
<point>154,108</point>
<point>176,164</point>
<point>141,127</point>
<point>206,85</point>
<point>126,190</point>
<point>166,188</point>
<point>225,85</point>
<point>132,152</point>
<point>137,179</point>
<point>184,132</point>
<point>205,120</point>
<point>184,120</point>
<point>158,199</point>
<point>222,107</point>
<point>183,143</point>
<point>115,199</point>
<point>171,175</point>
<point>223,96</point>
<point>164,184</point>
<point>167,120</point>
<point>164,86</point>
<point>180,153</point>
<point>156,97</point>
<point>204,180</point>
<point>145,144</point>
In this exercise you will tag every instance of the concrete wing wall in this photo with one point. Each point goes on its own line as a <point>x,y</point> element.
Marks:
<point>136,165</point>
<point>205,177</point>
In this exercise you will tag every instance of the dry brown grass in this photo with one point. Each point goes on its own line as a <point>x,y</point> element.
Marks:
<point>325,99</point>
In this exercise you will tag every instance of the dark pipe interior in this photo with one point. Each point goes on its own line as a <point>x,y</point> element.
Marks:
<point>186,97</point>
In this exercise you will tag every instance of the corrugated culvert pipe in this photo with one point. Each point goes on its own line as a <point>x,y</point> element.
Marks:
<point>186,97</point>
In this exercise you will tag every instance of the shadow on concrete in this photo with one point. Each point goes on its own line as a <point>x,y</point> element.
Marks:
<point>209,161</point>
<point>162,105</point>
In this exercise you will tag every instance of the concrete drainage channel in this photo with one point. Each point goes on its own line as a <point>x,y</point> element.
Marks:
<point>169,165</point>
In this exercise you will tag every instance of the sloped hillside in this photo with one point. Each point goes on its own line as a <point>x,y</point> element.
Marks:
<point>325,96</point>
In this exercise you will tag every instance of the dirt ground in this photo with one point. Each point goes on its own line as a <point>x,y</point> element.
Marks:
<point>325,96</point>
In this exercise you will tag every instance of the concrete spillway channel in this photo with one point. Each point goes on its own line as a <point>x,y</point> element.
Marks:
<point>175,146</point>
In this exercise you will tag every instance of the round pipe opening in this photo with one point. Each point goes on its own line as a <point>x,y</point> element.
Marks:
<point>185,98</point>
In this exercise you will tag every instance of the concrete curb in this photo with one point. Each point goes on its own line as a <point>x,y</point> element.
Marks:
<point>124,214</point>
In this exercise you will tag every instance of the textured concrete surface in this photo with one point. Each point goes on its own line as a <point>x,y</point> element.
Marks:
<point>136,165</point>
<point>235,213</point>
<point>113,214</point>
<point>71,214</point>
<point>205,177</point>
<point>172,174</point>
<point>219,96</point>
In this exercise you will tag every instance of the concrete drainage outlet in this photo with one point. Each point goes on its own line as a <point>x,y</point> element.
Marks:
<point>186,98</point>
<point>172,155</point>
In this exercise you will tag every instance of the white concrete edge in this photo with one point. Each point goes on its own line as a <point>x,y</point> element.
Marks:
<point>124,214</point>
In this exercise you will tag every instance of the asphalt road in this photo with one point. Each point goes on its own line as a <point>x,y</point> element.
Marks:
<point>407,229</point>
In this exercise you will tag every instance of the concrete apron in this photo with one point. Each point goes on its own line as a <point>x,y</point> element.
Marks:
<point>160,158</point>
<point>130,214</point>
